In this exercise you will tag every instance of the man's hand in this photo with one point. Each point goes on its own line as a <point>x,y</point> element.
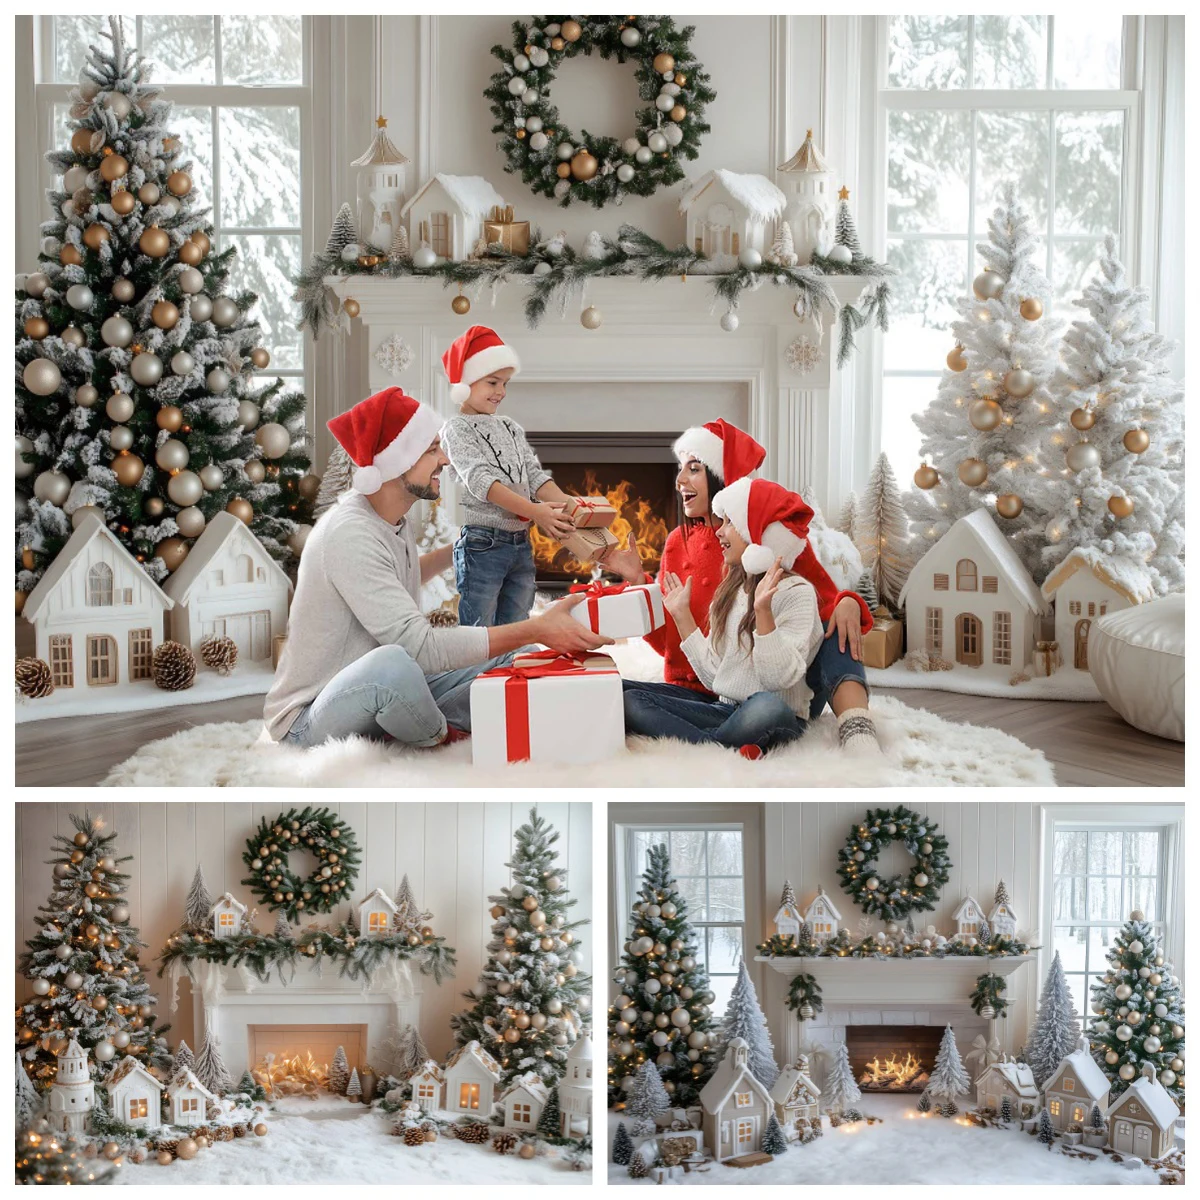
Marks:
<point>627,562</point>
<point>847,620</point>
<point>550,520</point>
<point>560,631</point>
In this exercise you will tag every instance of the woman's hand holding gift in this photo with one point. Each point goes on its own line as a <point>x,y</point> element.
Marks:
<point>677,600</point>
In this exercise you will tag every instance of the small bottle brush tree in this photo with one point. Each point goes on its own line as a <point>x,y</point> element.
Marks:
<point>1096,1121</point>
<point>550,1122</point>
<point>210,1067</point>
<point>1045,1129</point>
<point>744,1018</point>
<point>622,1147</point>
<point>85,923</point>
<point>29,1103</point>
<point>185,1060</point>
<point>354,1087</point>
<point>412,1053</point>
<point>410,917</point>
<point>1006,1109</point>
<point>1125,1046</point>
<point>845,231</point>
<point>841,1092</point>
<point>339,1072</point>
<point>925,1104</point>
<point>646,1098</point>
<point>661,941</point>
<point>197,908</point>
<point>137,367</point>
<point>949,1077</point>
<point>1056,1030</point>
<point>773,1140</point>
<point>532,1001</point>
<point>881,534</point>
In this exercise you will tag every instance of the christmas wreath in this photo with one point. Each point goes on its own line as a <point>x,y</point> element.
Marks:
<point>804,997</point>
<point>556,162</point>
<point>317,830</point>
<point>893,899</point>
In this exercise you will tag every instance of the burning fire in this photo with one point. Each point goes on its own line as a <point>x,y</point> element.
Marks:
<point>300,1075</point>
<point>893,1073</point>
<point>633,515</point>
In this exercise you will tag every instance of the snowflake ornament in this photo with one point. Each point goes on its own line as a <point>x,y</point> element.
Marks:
<point>802,355</point>
<point>394,355</point>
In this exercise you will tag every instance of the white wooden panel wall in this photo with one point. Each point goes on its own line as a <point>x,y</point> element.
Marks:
<point>453,854</point>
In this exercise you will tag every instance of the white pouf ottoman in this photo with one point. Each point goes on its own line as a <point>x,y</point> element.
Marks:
<point>1136,658</point>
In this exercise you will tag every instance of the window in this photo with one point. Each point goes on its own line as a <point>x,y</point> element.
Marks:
<point>260,574</point>
<point>100,586</point>
<point>189,1105</point>
<point>743,1099</point>
<point>242,94</point>
<point>226,920</point>
<point>468,1095</point>
<point>441,234</point>
<point>1055,1108</point>
<point>989,584</point>
<point>141,653</point>
<point>966,577</point>
<point>425,1091</point>
<point>1002,638</point>
<point>933,629</point>
<point>965,104</point>
<point>138,1107</point>
<point>1091,608</point>
<point>707,865</point>
<point>968,927</point>
<point>520,1114</point>
<point>243,570</point>
<point>101,660</point>
<point>1103,609</point>
<point>1068,1084</point>
<point>941,583</point>
<point>1076,608</point>
<point>216,577</point>
<point>378,922</point>
<point>1077,1114</point>
<point>62,662</point>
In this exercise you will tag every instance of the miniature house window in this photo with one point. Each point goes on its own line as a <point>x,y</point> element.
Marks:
<point>138,1107</point>
<point>100,586</point>
<point>377,922</point>
<point>243,570</point>
<point>717,230</point>
<point>226,920</point>
<point>62,663</point>
<point>425,1091</point>
<point>743,1099</point>
<point>441,233</point>
<point>1076,608</point>
<point>261,574</point>
<point>101,660</point>
<point>989,584</point>
<point>967,578</point>
<point>521,1114</point>
<point>941,583</point>
<point>468,1095</point>
<point>216,578</point>
<point>1077,1114</point>
<point>745,1132</point>
<point>189,1105</point>
<point>933,629</point>
<point>1091,608</point>
<point>127,596</point>
<point>141,653</point>
<point>970,927</point>
<point>1068,1085</point>
<point>1103,609</point>
<point>1002,638</point>
<point>1056,1108</point>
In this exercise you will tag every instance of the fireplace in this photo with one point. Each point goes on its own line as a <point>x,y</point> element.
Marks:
<point>635,471</point>
<point>892,1058</point>
<point>296,1041</point>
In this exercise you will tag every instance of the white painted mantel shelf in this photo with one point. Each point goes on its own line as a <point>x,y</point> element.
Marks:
<point>852,980</point>
<point>652,333</point>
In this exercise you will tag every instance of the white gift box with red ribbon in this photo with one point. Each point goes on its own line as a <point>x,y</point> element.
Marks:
<point>620,610</point>
<point>548,708</point>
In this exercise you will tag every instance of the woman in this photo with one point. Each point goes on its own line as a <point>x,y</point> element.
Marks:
<point>710,457</point>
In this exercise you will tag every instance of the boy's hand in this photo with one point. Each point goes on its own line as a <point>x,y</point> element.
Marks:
<point>560,631</point>
<point>550,520</point>
<point>627,562</point>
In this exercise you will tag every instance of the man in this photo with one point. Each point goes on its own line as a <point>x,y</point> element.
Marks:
<point>360,656</point>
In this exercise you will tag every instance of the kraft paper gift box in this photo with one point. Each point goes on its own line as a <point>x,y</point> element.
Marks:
<point>882,646</point>
<point>512,235</point>
<point>589,545</point>
<point>551,709</point>
<point>590,512</point>
<point>621,610</point>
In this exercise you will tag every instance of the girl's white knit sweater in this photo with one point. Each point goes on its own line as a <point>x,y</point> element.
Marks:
<point>779,660</point>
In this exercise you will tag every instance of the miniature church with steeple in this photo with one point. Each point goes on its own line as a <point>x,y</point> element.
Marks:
<point>72,1094</point>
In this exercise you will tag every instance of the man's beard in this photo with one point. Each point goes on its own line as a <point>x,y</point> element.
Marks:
<point>423,491</point>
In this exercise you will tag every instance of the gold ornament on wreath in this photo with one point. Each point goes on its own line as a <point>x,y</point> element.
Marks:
<point>599,169</point>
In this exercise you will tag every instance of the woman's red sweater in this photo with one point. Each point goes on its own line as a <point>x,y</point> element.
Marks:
<point>697,556</point>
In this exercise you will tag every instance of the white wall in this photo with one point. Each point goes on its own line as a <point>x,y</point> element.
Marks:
<point>453,854</point>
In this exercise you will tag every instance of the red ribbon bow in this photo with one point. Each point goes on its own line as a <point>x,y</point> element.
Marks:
<point>591,506</point>
<point>596,589</point>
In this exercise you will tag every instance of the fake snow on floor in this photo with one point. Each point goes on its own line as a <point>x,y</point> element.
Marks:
<point>911,1148</point>
<point>1065,684</point>
<point>330,1140</point>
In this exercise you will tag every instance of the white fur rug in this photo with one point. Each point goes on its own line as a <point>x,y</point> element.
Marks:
<point>920,750</point>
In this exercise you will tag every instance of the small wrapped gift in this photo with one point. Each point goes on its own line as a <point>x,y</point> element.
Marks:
<point>1047,660</point>
<point>590,512</point>
<point>512,235</point>
<point>620,610</point>
<point>552,708</point>
<point>882,646</point>
<point>589,545</point>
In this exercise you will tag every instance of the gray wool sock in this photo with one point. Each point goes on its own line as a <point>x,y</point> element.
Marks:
<point>856,732</point>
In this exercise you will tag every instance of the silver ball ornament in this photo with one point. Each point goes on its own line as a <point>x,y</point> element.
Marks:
<point>146,369</point>
<point>80,296</point>
<point>36,284</point>
<point>672,133</point>
<point>729,322</point>
<point>190,522</point>
<point>750,258</point>
<point>225,312</point>
<point>644,155</point>
<point>631,36</point>
<point>53,487</point>
<point>172,455</point>
<point>185,489</point>
<point>248,414</point>
<point>217,380</point>
<point>104,1051</point>
<point>119,407</point>
<point>118,104</point>
<point>120,437</point>
<point>1081,456</point>
<point>182,363</point>
<point>116,331</point>
<point>41,377</point>
<point>191,283</point>
<point>73,980</point>
<point>212,477</point>
<point>625,172</point>
<point>41,987</point>
<point>273,440</point>
<point>988,285</point>
<point>75,178</point>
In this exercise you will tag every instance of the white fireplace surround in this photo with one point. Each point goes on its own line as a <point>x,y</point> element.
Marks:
<point>227,1001</point>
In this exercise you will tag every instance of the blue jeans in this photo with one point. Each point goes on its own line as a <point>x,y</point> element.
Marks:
<point>830,668</point>
<point>667,710</point>
<point>386,692</point>
<point>495,575</point>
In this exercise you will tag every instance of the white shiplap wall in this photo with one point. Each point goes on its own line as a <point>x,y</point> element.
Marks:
<point>453,854</point>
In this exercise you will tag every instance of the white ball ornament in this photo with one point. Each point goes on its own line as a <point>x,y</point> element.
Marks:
<point>538,142</point>
<point>1156,979</point>
<point>73,980</point>
<point>630,145</point>
<point>1167,1077</point>
<point>630,36</point>
<point>840,254</point>
<point>516,85</point>
<point>217,380</point>
<point>42,378</point>
<point>565,151</point>
<point>625,172</point>
<point>629,1015</point>
<point>52,487</point>
<point>182,363</point>
<point>520,63</point>
<point>657,142</point>
<point>212,477</point>
<point>1177,1033</point>
<point>553,1006</point>
<point>80,296</point>
<point>224,312</point>
<point>36,284</point>
<point>653,910</point>
<point>191,282</point>
<point>872,884</point>
<point>1124,1033</point>
<point>273,439</point>
<point>116,331</point>
<point>118,104</point>
<point>120,437</point>
<point>660,1038</point>
<point>1127,1071</point>
<point>643,154</point>
<point>1152,1045</point>
<point>539,57</point>
<point>664,102</point>
<point>672,133</point>
<point>750,258</point>
<point>41,987</point>
<point>652,987</point>
<point>1122,991</point>
<point>529,96</point>
<point>1161,1010</point>
<point>687,962</point>
<point>1136,947</point>
<point>680,1017</point>
<point>75,178</point>
<point>730,322</point>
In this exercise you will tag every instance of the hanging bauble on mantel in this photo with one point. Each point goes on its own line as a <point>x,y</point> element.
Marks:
<point>591,317</point>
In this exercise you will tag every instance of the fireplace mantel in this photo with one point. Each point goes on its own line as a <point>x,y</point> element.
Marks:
<point>652,332</point>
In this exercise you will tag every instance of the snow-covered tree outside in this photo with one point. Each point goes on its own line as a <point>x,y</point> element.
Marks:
<point>1056,1030</point>
<point>744,1019</point>
<point>210,1067</point>
<point>198,905</point>
<point>841,1090</point>
<point>949,1077</point>
<point>881,534</point>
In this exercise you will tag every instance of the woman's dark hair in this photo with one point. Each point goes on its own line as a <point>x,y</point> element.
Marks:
<point>686,522</point>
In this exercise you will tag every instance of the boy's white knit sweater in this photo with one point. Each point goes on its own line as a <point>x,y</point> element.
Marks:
<point>779,660</point>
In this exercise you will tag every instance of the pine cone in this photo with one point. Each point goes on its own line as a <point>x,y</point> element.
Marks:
<point>504,1143</point>
<point>170,1145</point>
<point>476,1133</point>
<point>224,1133</point>
<point>33,677</point>
<point>414,1135</point>
<point>174,667</point>
<point>443,618</point>
<point>219,653</point>
<point>239,1130</point>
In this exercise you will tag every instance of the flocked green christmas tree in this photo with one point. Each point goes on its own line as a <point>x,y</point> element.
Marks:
<point>137,369</point>
<point>663,1013</point>
<point>532,1000</point>
<point>83,963</point>
<point>1139,1012</point>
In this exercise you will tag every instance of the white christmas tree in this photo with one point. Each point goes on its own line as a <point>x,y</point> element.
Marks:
<point>841,1089</point>
<point>783,248</point>
<point>984,432</point>
<point>353,1087</point>
<point>198,905</point>
<point>438,531</point>
<point>282,928</point>
<point>28,1101</point>
<point>647,1098</point>
<point>949,1077</point>
<point>848,521</point>
<point>185,1060</point>
<point>1056,1031</point>
<point>412,1052</point>
<point>339,1072</point>
<point>342,233</point>
<point>398,252</point>
<point>1119,437</point>
<point>339,474</point>
<point>845,232</point>
<point>881,534</point>
<point>1045,1129</point>
<point>744,1018</point>
<point>409,916</point>
<point>210,1067</point>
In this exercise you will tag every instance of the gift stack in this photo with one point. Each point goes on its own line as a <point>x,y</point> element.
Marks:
<point>592,539</point>
<point>500,229</point>
<point>620,610</point>
<point>884,644</point>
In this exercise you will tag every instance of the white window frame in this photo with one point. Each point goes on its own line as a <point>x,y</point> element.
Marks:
<point>48,93</point>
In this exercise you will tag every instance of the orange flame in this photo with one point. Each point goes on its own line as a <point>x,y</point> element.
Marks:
<point>295,1076</point>
<point>892,1071</point>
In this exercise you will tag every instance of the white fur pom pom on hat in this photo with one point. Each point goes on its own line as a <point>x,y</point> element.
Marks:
<point>758,560</point>
<point>459,392</point>
<point>367,480</point>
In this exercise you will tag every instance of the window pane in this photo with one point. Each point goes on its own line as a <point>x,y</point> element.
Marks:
<point>927,52</point>
<point>1070,898</point>
<point>1104,899</point>
<point>691,888</point>
<point>1075,265</point>
<point>1071,943</point>
<point>260,167</point>
<point>725,852</point>
<point>643,840</point>
<point>262,50</point>
<point>1100,940</point>
<point>1087,50</point>
<point>724,948</point>
<point>687,851</point>
<point>722,988</point>
<point>1087,172</point>
<point>902,397</point>
<point>1013,147</point>
<point>932,275</point>
<point>1010,52</point>
<point>1141,893</point>
<point>928,162</point>
<point>1070,852</point>
<point>725,901</point>
<point>193,128</point>
<point>182,49</point>
<point>266,266</point>
<point>1080,996</point>
<point>72,37</point>
<point>1141,853</point>
<point>1104,853</point>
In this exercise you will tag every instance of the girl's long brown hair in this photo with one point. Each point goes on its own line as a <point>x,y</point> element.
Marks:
<point>735,580</point>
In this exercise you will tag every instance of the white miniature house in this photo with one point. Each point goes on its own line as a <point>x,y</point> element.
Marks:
<point>736,1106</point>
<point>787,919</point>
<point>376,915</point>
<point>810,210</point>
<point>229,586</point>
<point>97,616</point>
<point>523,1101</point>
<point>1085,586</point>
<point>575,1090</point>
<point>471,1078</point>
<point>381,189</point>
<point>227,916</point>
<point>135,1096</point>
<point>188,1099</point>
<point>822,917</point>
<point>448,213</point>
<point>426,1084</point>
<point>971,601</point>
<point>1142,1119</point>
<point>1077,1084</point>
<point>728,212</point>
<point>72,1094</point>
<point>1010,1079</point>
<point>1002,920</point>
<point>969,916</point>
<point>795,1096</point>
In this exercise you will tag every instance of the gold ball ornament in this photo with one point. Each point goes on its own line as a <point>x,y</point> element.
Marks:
<point>149,193</point>
<point>1031,309</point>
<point>83,141</point>
<point>461,305</point>
<point>187,1148</point>
<point>309,486</point>
<point>260,357</point>
<point>664,62</point>
<point>201,239</point>
<point>985,414</point>
<point>591,318</point>
<point>37,328</point>
<point>677,113</point>
<point>123,290</point>
<point>179,183</point>
<point>165,315</point>
<point>172,551</point>
<point>164,1158</point>
<point>527,1150</point>
<point>972,472</point>
<point>351,307</point>
<point>123,203</point>
<point>129,469</point>
<point>584,165</point>
<point>70,255</point>
<point>1083,418</point>
<point>99,1003</point>
<point>21,598</point>
<point>1009,505</point>
<point>572,31</point>
<point>28,561</point>
<point>260,1130</point>
<point>1136,441</point>
<point>154,507</point>
<point>988,285</point>
<point>1019,383</point>
<point>563,170</point>
<point>557,43</point>
<point>242,509</point>
<point>94,236</point>
<point>111,1150</point>
<point>191,254</point>
<point>114,167</point>
<point>956,360</point>
<point>497,911</point>
<point>1120,507</point>
<point>154,242</point>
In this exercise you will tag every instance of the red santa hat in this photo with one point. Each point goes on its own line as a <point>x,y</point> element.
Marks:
<point>771,519</point>
<point>724,449</point>
<point>385,434</point>
<point>477,353</point>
